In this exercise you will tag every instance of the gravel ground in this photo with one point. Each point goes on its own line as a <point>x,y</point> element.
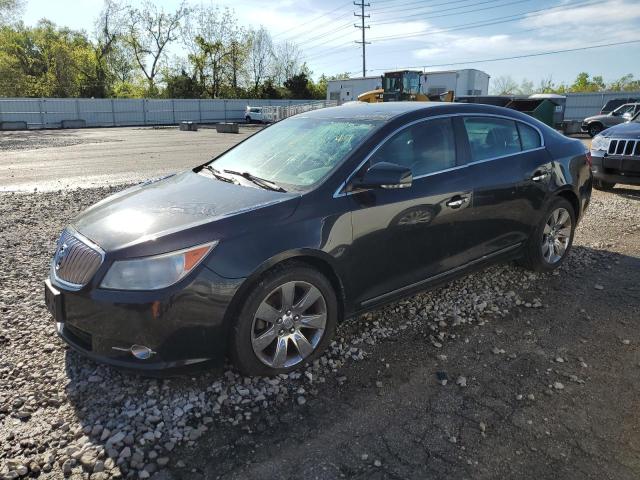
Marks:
<point>502,374</point>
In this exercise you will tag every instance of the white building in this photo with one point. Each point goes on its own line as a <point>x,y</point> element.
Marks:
<point>463,82</point>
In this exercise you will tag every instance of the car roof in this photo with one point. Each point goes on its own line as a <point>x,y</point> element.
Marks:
<point>388,110</point>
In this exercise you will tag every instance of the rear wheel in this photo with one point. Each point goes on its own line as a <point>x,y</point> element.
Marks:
<point>287,320</point>
<point>552,239</point>
<point>600,185</point>
<point>594,129</point>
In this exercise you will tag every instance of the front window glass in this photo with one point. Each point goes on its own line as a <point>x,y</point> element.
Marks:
<point>491,137</point>
<point>427,147</point>
<point>622,110</point>
<point>297,151</point>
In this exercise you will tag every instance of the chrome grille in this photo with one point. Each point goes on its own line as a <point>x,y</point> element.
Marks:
<point>75,262</point>
<point>622,147</point>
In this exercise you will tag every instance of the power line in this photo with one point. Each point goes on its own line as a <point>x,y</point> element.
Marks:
<point>462,26</point>
<point>515,57</point>
<point>362,27</point>
<point>438,14</point>
<point>314,19</point>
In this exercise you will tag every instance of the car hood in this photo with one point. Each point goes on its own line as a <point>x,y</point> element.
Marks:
<point>624,130</point>
<point>596,118</point>
<point>158,208</point>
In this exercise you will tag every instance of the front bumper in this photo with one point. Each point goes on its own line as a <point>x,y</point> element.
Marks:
<point>183,326</point>
<point>616,169</point>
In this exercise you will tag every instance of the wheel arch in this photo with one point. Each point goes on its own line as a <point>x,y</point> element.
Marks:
<point>572,198</point>
<point>316,259</point>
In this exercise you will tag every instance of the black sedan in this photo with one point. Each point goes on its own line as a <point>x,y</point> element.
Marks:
<point>259,253</point>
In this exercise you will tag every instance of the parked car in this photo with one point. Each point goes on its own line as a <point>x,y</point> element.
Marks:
<point>254,115</point>
<point>594,125</point>
<point>611,105</point>
<point>259,253</point>
<point>615,155</point>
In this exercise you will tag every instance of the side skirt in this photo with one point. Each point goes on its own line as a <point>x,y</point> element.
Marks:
<point>503,254</point>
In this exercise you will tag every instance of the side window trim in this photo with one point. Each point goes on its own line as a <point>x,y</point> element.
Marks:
<point>341,190</point>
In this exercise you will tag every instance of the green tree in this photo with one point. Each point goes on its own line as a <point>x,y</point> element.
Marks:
<point>45,61</point>
<point>182,86</point>
<point>585,83</point>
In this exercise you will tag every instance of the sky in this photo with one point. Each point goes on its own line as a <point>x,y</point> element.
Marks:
<point>429,34</point>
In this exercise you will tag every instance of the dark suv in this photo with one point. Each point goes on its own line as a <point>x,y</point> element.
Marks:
<point>615,155</point>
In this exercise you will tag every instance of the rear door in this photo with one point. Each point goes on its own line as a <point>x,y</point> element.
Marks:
<point>402,236</point>
<point>511,171</point>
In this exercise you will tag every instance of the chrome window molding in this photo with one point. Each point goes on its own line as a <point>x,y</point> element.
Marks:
<point>340,190</point>
<point>63,283</point>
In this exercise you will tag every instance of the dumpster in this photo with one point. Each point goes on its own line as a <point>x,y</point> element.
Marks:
<point>540,108</point>
<point>560,102</point>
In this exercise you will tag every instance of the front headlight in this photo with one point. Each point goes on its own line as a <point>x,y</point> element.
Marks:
<point>600,143</point>
<point>153,273</point>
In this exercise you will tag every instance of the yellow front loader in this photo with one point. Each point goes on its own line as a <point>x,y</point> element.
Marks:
<point>403,86</point>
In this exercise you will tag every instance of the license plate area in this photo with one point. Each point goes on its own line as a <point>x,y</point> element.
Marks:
<point>53,299</point>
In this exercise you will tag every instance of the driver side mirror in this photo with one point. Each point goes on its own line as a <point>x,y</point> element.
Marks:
<point>385,175</point>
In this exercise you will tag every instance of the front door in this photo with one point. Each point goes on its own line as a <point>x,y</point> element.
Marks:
<point>403,236</point>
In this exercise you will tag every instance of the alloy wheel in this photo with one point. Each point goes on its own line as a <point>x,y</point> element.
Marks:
<point>289,324</point>
<point>556,235</point>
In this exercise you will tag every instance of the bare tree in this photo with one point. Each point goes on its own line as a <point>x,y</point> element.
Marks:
<point>259,57</point>
<point>209,34</point>
<point>546,85</point>
<point>108,29</point>
<point>149,31</point>
<point>286,62</point>
<point>505,85</point>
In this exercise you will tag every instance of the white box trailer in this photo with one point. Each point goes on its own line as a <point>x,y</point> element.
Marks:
<point>348,90</point>
<point>468,81</point>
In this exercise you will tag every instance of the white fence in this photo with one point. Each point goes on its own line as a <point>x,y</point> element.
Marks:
<point>98,112</point>
<point>276,113</point>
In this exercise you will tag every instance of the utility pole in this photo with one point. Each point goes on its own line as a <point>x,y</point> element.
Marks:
<point>362,27</point>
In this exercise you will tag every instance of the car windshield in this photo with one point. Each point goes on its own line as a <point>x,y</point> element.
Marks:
<point>296,152</point>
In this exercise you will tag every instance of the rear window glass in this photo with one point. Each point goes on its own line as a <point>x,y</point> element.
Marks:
<point>529,137</point>
<point>491,137</point>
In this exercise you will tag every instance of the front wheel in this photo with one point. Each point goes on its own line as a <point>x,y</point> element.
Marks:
<point>247,119</point>
<point>287,320</point>
<point>552,239</point>
<point>594,129</point>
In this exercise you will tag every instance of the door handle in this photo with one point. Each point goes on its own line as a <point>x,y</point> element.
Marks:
<point>539,176</point>
<point>456,202</point>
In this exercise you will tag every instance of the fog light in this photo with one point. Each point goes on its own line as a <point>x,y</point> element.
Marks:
<point>139,351</point>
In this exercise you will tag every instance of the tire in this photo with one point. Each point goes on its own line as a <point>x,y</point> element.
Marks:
<point>540,259</point>
<point>594,129</point>
<point>604,186</point>
<point>247,119</point>
<point>257,344</point>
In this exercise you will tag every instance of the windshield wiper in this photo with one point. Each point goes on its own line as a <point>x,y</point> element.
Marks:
<point>219,176</point>
<point>262,182</point>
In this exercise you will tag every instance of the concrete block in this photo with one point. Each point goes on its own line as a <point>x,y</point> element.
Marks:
<point>188,126</point>
<point>74,123</point>
<point>227,128</point>
<point>13,125</point>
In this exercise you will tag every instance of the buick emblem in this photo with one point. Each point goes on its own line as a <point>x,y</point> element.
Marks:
<point>62,253</point>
